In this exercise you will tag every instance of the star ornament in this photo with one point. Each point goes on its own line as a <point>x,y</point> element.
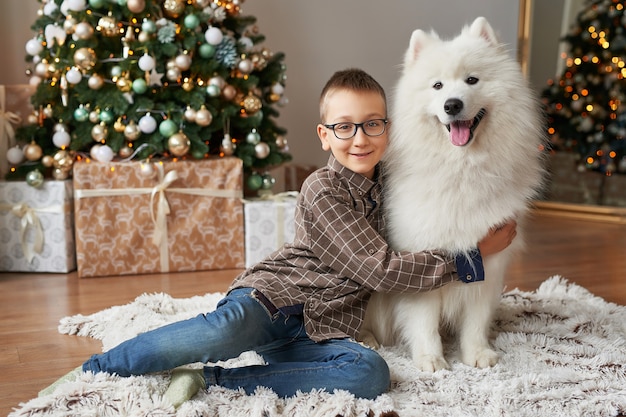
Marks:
<point>155,78</point>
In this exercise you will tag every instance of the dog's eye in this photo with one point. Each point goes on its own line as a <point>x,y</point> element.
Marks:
<point>438,85</point>
<point>471,80</point>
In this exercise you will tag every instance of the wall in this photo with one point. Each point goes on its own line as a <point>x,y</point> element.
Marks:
<point>318,38</point>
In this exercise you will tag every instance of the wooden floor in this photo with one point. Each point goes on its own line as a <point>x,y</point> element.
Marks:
<point>33,354</point>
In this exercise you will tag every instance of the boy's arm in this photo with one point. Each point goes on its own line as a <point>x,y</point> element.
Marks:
<point>343,240</point>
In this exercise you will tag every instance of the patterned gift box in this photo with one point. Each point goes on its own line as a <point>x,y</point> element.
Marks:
<point>138,217</point>
<point>268,224</point>
<point>36,227</point>
<point>15,106</point>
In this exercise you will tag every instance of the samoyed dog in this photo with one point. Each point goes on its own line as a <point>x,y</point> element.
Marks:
<point>465,155</point>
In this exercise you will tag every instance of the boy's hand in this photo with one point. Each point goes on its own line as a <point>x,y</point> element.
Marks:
<point>498,238</point>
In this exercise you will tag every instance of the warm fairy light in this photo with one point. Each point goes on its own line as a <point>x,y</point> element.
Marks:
<point>575,97</point>
<point>612,154</point>
<point>599,152</point>
<point>595,59</point>
<point>551,131</point>
<point>577,61</point>
<point>589,160</point>
<point>584,92</point>
<point>591,29</point>
<point>589,107</point>
<point>569,89</point>
<point>558,106</point>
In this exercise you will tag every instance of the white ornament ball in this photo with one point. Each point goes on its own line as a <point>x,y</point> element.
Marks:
<point>74,5</point>
<point>183,62</point>
<point>49,8</point>
<point>33,47</point>
<point>83,31</point>
<point>190,114</point>
<point>261,150</point>
<point>147,124</point>
<point>15,155</point>
<point>73,76</point>
<point>61,139</point>
<point>245,66</point>
<point>35,80</point>
<point>102,153</point>
<point>278,88</point>
<point>213,36</point>
<point>146,63</point>
<point>93,152</point>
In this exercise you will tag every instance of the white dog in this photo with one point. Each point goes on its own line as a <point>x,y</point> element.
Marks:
<point>465,155</point>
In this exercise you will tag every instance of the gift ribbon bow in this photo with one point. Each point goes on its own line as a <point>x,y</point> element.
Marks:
<point>7,133</point>
<point>29,218</point>
<point>159,237</point>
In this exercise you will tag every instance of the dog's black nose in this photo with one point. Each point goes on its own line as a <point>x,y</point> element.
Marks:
<point>453,106</point>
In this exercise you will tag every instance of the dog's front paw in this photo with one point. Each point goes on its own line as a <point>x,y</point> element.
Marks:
<point>483,358</point>
<point>431,363</point>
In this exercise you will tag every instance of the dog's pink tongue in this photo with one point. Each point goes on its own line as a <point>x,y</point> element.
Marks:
<point>459,133</point>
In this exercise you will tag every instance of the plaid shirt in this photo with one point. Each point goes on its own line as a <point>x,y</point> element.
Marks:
<point>339,257</point>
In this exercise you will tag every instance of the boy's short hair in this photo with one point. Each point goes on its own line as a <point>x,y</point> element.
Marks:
<point>353,79</point>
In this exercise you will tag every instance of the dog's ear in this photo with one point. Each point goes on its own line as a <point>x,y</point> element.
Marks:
<point>419,39</point>
<point>481,28</point>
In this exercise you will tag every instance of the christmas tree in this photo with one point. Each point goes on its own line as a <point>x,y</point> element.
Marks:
<point>585,106</point>
<point>137,79</point>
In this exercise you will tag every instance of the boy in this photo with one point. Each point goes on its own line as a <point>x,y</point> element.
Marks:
<point>301,308</point>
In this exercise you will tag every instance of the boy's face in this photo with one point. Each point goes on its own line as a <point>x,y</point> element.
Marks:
<point>360,153</point>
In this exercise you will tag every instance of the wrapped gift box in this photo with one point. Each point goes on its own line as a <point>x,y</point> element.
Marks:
<point>36,227</point>
<point>138,217</point>
<point>268,225</point>
<point>15,106</point>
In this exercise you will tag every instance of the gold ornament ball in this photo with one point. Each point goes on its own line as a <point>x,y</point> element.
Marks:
<point>124,84</point>
<point>47,161</point>
<point>178,144</point>
<point>60,174</point>
<point>107,25</point>
<point>200,4</point>
<point>63,160</point>
<point>95,82</point>
<point>203,117</point>
<point>33,152</point>
<point>252,103</point>
<point>187,85</point>
<point>99,132</point>
<point>85,58</point>
<point>229,92</point>
<point>119,126</point>
<point>131,131</point>
<point>174,8</point>
<point>281,141</point>
<point>125,152</point>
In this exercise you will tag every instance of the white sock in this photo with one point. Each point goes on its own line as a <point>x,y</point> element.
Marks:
<point>185,384</point>
<point>70,376</point>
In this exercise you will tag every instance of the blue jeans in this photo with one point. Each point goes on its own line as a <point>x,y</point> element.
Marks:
<point>241,323</point>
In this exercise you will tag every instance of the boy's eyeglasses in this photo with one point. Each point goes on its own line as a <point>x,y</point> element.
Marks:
<point>347,130</point>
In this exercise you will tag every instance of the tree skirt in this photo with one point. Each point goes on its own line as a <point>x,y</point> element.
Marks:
<point>563,353</point>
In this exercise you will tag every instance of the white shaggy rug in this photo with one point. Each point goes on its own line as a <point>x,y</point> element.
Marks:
<point>563,353</point>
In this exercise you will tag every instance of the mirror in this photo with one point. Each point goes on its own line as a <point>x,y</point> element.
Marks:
<point>572,191</point>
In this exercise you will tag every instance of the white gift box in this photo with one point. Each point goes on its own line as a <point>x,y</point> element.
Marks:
<point>268,225</point>
<point>37,227</point>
